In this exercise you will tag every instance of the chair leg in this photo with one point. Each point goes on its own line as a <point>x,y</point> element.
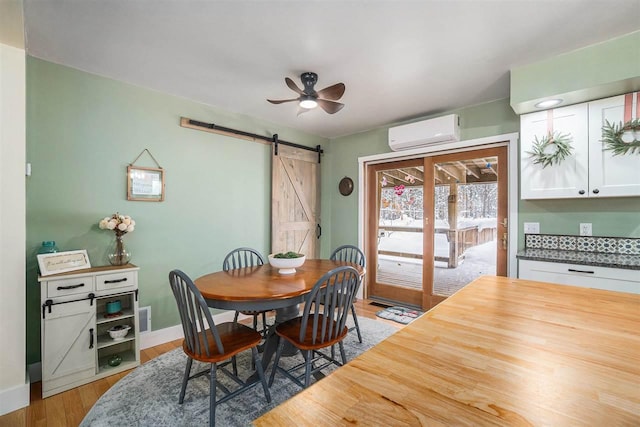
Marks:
<point>255,327</point>
<point>258,364</point>
<point>342,354</point>
<point>264,324</point>
<point>307,367</point>
<point>185,379</point>
<point>280,345</point>
<point>234,366</point>
<point>355,321</point>
<point>212,396</point>
<point>235,318</point>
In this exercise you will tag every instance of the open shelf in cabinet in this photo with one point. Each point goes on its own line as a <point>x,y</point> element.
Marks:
<point>128,361</point>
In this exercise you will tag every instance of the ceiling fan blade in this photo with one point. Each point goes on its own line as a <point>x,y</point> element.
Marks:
<point>293,86</point>
<point>333,93</point>
<point>330,106</point>
<point>280,101</point>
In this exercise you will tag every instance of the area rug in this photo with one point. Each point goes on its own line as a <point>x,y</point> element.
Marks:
<point>148,396</point>
<point>399,314</point>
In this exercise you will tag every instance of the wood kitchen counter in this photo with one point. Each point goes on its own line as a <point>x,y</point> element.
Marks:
<point>501,351</point>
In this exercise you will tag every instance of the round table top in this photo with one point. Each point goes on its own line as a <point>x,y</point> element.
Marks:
<point>262,287</point>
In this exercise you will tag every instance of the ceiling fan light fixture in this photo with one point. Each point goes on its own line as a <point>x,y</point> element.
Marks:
<point>308,102</point>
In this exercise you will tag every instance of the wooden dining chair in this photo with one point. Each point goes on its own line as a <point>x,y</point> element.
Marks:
<point>241,258</point>
<point>350,253</point>
<point>207,342</point>
<point>322,325</point>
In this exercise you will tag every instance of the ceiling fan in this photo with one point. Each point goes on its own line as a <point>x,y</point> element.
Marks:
<point>310,98</point>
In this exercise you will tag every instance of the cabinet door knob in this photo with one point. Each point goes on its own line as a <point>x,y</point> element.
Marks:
<point>596,191</point>
<point>581,192</point>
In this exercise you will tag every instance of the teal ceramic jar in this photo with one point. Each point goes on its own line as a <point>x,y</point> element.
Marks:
<point>48,247</point>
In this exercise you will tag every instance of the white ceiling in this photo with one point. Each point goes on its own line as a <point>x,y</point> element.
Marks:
<point>398,59</point>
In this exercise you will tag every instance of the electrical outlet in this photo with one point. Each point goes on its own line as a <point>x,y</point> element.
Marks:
<point>585,229</point>
<point>532,228</point>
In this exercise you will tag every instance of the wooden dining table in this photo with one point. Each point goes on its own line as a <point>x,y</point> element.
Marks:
<point>500,352</point>
<point>264,288</point>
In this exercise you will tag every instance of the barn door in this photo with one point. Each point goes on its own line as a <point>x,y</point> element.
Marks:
<point>295,201</point>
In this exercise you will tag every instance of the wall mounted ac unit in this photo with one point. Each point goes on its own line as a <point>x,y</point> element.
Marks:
<point>427,132</point>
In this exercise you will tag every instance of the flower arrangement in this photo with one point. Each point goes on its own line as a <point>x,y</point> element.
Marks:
<point>120,224</point>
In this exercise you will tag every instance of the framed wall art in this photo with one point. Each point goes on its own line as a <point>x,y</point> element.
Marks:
<point>145,184</point>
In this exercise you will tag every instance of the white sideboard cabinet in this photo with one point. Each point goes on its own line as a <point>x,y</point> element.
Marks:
<point>590,171</point>
<point>76,345</point>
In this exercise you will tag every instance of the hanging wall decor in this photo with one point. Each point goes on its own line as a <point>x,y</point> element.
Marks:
<point>145,184</point>
<point>345,186</point>
<point>551,149</point>
<point>622,138</point>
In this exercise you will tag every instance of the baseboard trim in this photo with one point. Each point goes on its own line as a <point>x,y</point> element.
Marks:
<point>15,398</point>
<point>161,336</point>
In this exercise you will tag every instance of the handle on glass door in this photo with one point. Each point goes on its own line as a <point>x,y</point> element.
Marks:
<point>318,231</point>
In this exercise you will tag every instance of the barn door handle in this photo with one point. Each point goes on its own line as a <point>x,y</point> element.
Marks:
<point>318,231</point>
<point>91,338</point>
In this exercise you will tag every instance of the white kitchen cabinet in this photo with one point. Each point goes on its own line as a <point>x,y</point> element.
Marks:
<point>590,171</point>
<point>563,180</point>
<point>611,175</point>
<point>607,278</point>
<point>76,346</point>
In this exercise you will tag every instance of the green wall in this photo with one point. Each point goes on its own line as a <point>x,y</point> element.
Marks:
<point>83,131</point>
<point>493,118</point>
<point>596,71</point>
<point>616,217</point>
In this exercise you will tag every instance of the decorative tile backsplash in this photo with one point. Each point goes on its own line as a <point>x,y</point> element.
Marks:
<point>608,245</point>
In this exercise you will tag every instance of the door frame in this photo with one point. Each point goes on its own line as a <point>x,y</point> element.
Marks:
<point>508,139</point>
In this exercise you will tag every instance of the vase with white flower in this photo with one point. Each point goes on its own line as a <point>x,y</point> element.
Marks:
<point>120,225</point>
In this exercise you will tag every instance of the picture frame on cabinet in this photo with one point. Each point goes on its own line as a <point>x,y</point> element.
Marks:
<point>63,262</point>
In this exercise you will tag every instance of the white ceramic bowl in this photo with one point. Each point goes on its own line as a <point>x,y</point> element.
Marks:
<point>118,332</point>
<point>286,265</point>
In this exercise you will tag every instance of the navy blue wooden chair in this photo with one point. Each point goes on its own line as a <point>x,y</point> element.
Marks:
<point>207,342</point>
<point>322,325</point>
<point>241,258</point>
<point>352,254</point>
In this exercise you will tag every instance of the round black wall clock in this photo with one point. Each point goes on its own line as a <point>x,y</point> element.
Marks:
<point>345,186</point>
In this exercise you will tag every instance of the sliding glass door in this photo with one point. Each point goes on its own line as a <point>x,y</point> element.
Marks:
<point>434,224</point>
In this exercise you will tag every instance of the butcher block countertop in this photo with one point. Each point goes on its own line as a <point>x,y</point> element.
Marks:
<point>501,351</point>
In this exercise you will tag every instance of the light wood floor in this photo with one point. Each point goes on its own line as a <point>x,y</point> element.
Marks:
<point>69,408</point>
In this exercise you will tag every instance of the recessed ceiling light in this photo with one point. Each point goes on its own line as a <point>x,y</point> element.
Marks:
<point>548,103</point>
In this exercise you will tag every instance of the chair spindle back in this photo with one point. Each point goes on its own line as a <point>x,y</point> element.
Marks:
<point>198,326</point>
<point>242,257</point>
<point>327,305</point>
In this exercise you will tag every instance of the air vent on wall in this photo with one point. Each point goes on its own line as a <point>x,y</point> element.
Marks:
<point>144,315</point>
